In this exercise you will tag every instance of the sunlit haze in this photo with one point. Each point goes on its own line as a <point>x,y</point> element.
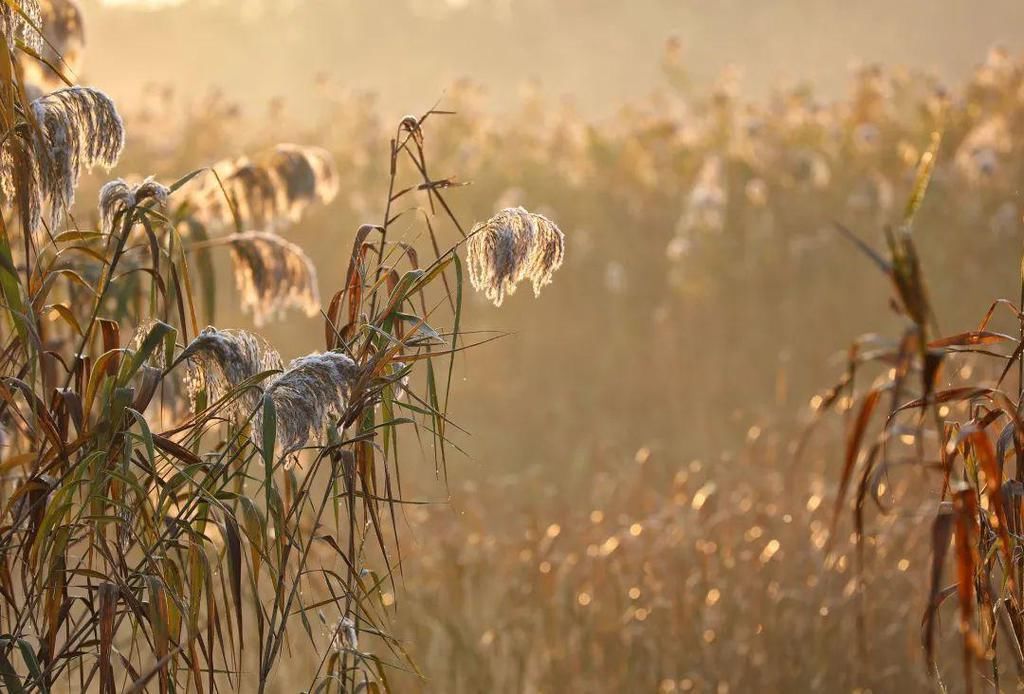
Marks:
<point>512,346</point>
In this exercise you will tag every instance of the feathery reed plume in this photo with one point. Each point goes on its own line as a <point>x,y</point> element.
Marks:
<point>304,175</point>
<point>309,396</point>
<point>253,191</point>
<point>21,25</point>
<point>273,275</point>
<point>117,197</point>
<point>219,360</point>
<point>512,246</point>
<point>80,127</point>
<point>73,128</point>
<point>270,191</point>
<point>63,49</point>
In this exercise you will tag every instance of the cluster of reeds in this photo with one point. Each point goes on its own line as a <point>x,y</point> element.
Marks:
<point>178,506</point>
<point>945,412</point>
<point>646,189</point>
<point>706,227</point>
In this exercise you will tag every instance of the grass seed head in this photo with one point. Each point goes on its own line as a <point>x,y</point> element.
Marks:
<point>312,392</point>
<point>273,275</point>
<point>345,638</point>
<point>303,175</point>
<point>270,191</point>
<point>219,360</point>
<point>512,246</point>
<point>117,197</point>
<point>74,128</point>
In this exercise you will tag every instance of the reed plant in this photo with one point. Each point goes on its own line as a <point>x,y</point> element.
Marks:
<point>180,507</point>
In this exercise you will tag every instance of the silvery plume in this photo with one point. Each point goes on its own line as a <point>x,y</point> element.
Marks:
<point>117,197</point>
<point>269,191</point>
<point>69,130</point>
<point>309,397</point>
<point>220,360</point>
<point>344,637</point>
<point>303,175</point>
<point>512,246</point>
<point>273,275</point>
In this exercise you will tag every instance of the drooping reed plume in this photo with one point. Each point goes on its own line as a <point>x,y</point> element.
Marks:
<point>80,127</point>
<point>62,50</point>
<point>512,246</point>
<point>220,360</point>
<point>304,175</point>
<point>273,275</point>
<point>70,129</point>
<point>309,396</point>
<point>311,393</point>
<point>269,191</point>
<point>117,197</point>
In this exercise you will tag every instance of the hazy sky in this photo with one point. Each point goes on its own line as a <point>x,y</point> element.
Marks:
<point>600,52</point>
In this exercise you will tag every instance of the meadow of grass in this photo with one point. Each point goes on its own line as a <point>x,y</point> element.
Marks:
<point>659,491</point>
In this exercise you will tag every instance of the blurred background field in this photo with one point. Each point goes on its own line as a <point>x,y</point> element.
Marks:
<point>631,514</point>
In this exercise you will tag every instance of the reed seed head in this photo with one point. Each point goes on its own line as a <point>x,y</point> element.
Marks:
<point>72,129</point>
<point>310,396</point>
<point>344,637</point>
<point>270,191</point>
<point>118,197</point>
<point>273,275</point>
<point>219,360</point>
<point>512,246</point>
<point>303,175</point>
